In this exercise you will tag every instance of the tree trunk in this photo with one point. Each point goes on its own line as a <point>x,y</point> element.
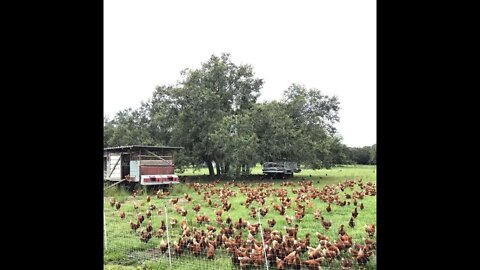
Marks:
<point>217,164</point>
<point>226,168</point>
<point>210,168</point>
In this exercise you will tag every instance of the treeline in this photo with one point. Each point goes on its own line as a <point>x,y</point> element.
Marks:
<point>213,113</point>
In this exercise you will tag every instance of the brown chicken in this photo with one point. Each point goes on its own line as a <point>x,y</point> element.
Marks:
<point>117,205</point>
<point>244,262</point>
<point>173,222</point>
<point>134,226</point>
<point>210,252</point>
<point>112,202</point>
<point>341,231</point>
<point>280,264</point>
<point>361,206</point>
<point>228,220</point>
<point>313,264</point>
<point>370,229</point>
<point>346,264</point>
<point>226,207</point>
<point>122,215</point>
<point>351,223</point>
<point>148,213</point>
<point>219,220</point>
<point>174,201</point>
<point>263,211</point>
<point>163,247</point>
<point>271,223</point>
<point>149,226</point>
<point>355,213</point>
<point>140,218</point>
<point>317,214</point>
<point>163,226</point>
<point>326,224</point>
<point>196,208</point>
<point>148,198</point>
<point>329,208</point>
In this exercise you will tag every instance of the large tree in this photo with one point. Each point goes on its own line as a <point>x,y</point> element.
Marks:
<point>203,98</point>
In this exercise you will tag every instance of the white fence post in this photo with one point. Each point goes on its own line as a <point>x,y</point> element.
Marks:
<point>263,240</point>
<point>105,229</point>
<point>168,237</point>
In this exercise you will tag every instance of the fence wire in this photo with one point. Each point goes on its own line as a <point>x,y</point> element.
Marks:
<point>124,245</point>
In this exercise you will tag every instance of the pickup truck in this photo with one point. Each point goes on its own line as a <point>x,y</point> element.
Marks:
<point>282,169</point>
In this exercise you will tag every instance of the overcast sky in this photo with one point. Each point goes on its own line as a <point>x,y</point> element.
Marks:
<point>328,45</point>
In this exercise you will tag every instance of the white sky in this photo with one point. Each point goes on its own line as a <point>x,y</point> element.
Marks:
<point>328,45</point>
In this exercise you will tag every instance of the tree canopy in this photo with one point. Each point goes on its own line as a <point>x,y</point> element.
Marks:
<point>213,113</point>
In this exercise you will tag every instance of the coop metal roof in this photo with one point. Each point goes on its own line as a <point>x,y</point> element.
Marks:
<point>148,147</point>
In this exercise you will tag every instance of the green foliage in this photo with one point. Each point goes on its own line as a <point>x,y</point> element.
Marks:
<point>202,111</point>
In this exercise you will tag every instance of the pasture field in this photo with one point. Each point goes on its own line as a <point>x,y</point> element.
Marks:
<point>123,248</point>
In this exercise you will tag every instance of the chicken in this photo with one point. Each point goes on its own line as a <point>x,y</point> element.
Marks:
<point>148,198</point>
<point>326,224</point>
<point>317,214</point>
<point>280,264</point>
<point>219,220</point>
<point>271,223</point>
<point>159,233</point>
<point>174,201</point>
<point>210,252</point>
<point>370,229</point>
<point>263,211</point>
<point>341,231</point>
<point>312,264</point>
<point>173,222</point>
<point>361,206</point>
<point>355,213</point>
<point>219,212</point>
<point>362,257</point>
<point>346,264</point>
<point>148,214</point>
<point>134,226</point>
<point>112,202</point>
<point>229,220</point>
<point>244,262</point>
<point>149,226</point>
<point>253,212</point>
<point>122,215</point>
<point>140,218</point>
<point>321,236</point>
<point>226,207</point>
<point>163,247</point>
<point>329,208</point>
<point>293,259</point>
<point>351,223</point>
<point>289,219</point>
<point>145,236</point>
<point>118,205</point>
<point>163,226</point>
<point>211,228</point>
<point>196,208</point>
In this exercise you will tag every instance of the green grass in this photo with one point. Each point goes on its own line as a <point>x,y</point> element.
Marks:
<point>124,249</point>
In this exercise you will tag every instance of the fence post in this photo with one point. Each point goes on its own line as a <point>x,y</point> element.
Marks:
<point>104,230</point>
<point>263,240</point>
<point>168,237</point>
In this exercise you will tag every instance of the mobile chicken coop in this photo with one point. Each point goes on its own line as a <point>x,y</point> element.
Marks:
<point>144,165</point>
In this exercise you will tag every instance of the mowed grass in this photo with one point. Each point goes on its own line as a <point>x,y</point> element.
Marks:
<point>126,251</point>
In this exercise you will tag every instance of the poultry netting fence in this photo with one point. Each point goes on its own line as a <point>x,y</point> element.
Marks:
<point>197,243</point>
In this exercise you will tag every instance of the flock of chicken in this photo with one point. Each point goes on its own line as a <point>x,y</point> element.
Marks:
<point>282,249</point>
